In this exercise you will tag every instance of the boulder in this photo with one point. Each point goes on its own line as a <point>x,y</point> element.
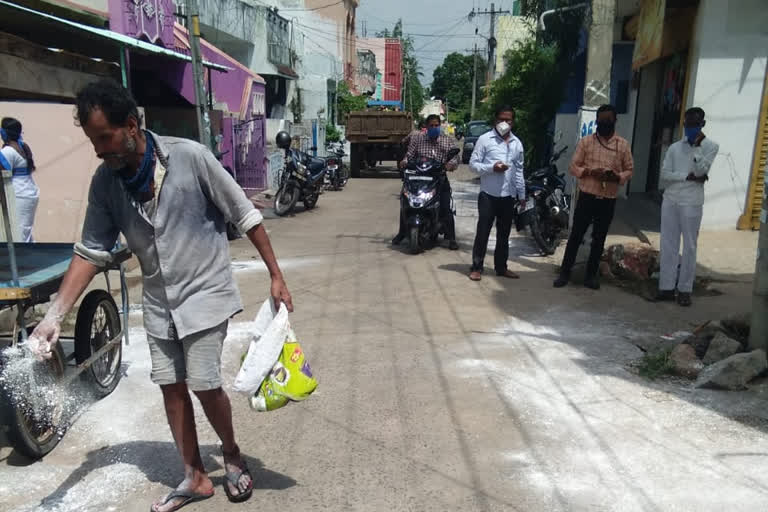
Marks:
<point>737,326</point>
<point>733,372</point>
<point>720,348</point>
<point>632,261</point>
<point>684,362</point>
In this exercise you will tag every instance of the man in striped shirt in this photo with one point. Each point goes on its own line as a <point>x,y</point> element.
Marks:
<point>602,162</point>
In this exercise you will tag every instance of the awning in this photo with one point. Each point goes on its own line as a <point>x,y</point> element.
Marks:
<point>24,22</point>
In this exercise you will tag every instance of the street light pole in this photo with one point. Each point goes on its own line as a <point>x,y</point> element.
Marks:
<point>203,121</point>
<point>474,82</point>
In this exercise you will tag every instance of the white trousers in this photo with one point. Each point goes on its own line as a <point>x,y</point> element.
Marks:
<point>677,220</point>
<point>25,213</point>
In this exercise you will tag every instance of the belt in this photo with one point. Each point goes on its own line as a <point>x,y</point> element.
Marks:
<point>21,171</point>
<point>593,196</point>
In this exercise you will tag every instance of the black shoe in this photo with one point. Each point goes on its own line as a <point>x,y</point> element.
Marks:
<point>562,280</point>
<point>453,245</point>
<point>592,283</point>
<point>665,295</point>
<point>684,299</point>
<point>398,239</point>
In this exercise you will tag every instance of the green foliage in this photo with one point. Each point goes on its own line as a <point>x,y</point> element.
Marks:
<point>332,134</point>
<point>452,81</point>
<point>655,365</point>
<point>348,102</point>
<point>537,71</point>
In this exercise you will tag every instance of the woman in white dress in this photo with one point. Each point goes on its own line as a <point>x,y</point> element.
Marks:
<point>19,156</point>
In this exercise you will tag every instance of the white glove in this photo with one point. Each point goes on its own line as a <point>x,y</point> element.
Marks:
<point>46,335</point>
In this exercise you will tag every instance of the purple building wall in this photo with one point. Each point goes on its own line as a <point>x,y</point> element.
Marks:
<point>239,92</point>
<point>148,20</point>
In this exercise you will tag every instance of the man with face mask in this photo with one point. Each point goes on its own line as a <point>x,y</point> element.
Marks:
<point>171,199</point>
<point>498,159</point>
<point>684,171</point>
<point>433,144</point>
<point>602,162</point>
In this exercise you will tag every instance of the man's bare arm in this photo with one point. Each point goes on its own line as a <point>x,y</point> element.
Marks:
<point>77,278</point>
<point>260,240</point>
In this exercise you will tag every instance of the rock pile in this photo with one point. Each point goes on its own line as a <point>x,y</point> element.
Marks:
<point>715,354</point>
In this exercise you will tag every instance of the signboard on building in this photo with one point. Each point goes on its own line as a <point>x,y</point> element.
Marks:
<point>148,20</point>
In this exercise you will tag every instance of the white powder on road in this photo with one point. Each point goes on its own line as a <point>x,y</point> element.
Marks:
<point>257,265</point>
<point>118,447</point>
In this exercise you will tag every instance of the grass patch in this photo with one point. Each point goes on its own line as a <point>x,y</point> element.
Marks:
<point>654,365</point>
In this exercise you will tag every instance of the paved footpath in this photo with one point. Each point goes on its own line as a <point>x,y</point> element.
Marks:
<point>436,394</point>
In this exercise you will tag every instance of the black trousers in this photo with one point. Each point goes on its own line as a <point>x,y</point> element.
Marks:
<point>502,211</point>
<point>445,212</point>
<point>593,210</point>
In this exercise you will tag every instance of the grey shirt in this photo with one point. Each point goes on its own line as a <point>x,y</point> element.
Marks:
<point>181,243</point>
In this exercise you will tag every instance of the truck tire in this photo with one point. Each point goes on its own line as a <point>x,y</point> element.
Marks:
<point>355,160</point>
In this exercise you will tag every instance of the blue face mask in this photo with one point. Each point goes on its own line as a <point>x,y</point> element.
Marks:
<point>691,132</point>
<point>433,132</point>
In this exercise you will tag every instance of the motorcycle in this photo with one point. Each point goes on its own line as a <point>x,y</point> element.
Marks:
<point>547,207</point>
<point>420,201</point>
<point>336,176</point>
<point>301,178</point>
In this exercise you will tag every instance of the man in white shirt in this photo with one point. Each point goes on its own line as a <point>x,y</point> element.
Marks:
<point>685,169</point>
<point>498,160</point>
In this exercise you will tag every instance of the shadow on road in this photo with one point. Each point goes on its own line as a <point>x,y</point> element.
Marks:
<point>159,461</point>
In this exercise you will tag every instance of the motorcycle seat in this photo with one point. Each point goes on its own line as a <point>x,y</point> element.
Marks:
<point>316,165</point>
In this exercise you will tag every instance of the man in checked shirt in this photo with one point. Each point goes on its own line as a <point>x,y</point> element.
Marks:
<point>432,144</point>
<point>602,162</point>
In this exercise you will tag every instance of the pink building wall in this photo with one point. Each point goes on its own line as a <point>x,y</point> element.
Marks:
<point>65,163</point>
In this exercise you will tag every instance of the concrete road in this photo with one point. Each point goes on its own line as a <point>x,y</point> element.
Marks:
<point>435,393</point>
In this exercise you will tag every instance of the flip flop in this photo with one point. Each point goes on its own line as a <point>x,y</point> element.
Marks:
<point>233,477</point>
<point>189,497</point>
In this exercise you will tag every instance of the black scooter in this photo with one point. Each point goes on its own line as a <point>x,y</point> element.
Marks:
<point>420,201</point>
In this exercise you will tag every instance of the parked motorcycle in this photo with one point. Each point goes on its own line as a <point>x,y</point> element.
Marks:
<point>300,180</point>
<point>547,207</point>
<point>420,201</point>
<point>336,176</point>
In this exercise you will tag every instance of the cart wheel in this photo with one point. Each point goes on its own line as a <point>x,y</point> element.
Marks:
<point>33,432</point>
<point>98,321</point>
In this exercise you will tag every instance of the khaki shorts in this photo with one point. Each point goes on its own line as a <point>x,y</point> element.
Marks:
<point>195,359</point>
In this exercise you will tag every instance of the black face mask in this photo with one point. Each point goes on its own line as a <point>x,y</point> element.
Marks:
<point>606,128</point>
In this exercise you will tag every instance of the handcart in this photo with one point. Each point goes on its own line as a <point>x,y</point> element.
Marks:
<point>29,275</point>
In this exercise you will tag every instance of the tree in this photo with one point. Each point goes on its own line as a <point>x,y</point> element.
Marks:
<point>537,72</point>
<point>534,86</point>
<point>413,91</point>
<point>452,81</point>
<point>348,102</point>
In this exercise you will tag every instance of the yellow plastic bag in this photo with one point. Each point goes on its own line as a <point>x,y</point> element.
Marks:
<point>274,371</point>
<point>291,379</point>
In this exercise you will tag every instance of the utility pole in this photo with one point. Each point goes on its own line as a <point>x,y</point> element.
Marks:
<point>474,83</point>
<point>758,330</point>
<point>491,39</point>
<point>203,120</point>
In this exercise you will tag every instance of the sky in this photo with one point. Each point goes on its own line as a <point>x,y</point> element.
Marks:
<point>439,27</point>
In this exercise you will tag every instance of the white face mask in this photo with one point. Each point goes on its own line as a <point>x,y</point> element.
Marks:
<point>503,128</point>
